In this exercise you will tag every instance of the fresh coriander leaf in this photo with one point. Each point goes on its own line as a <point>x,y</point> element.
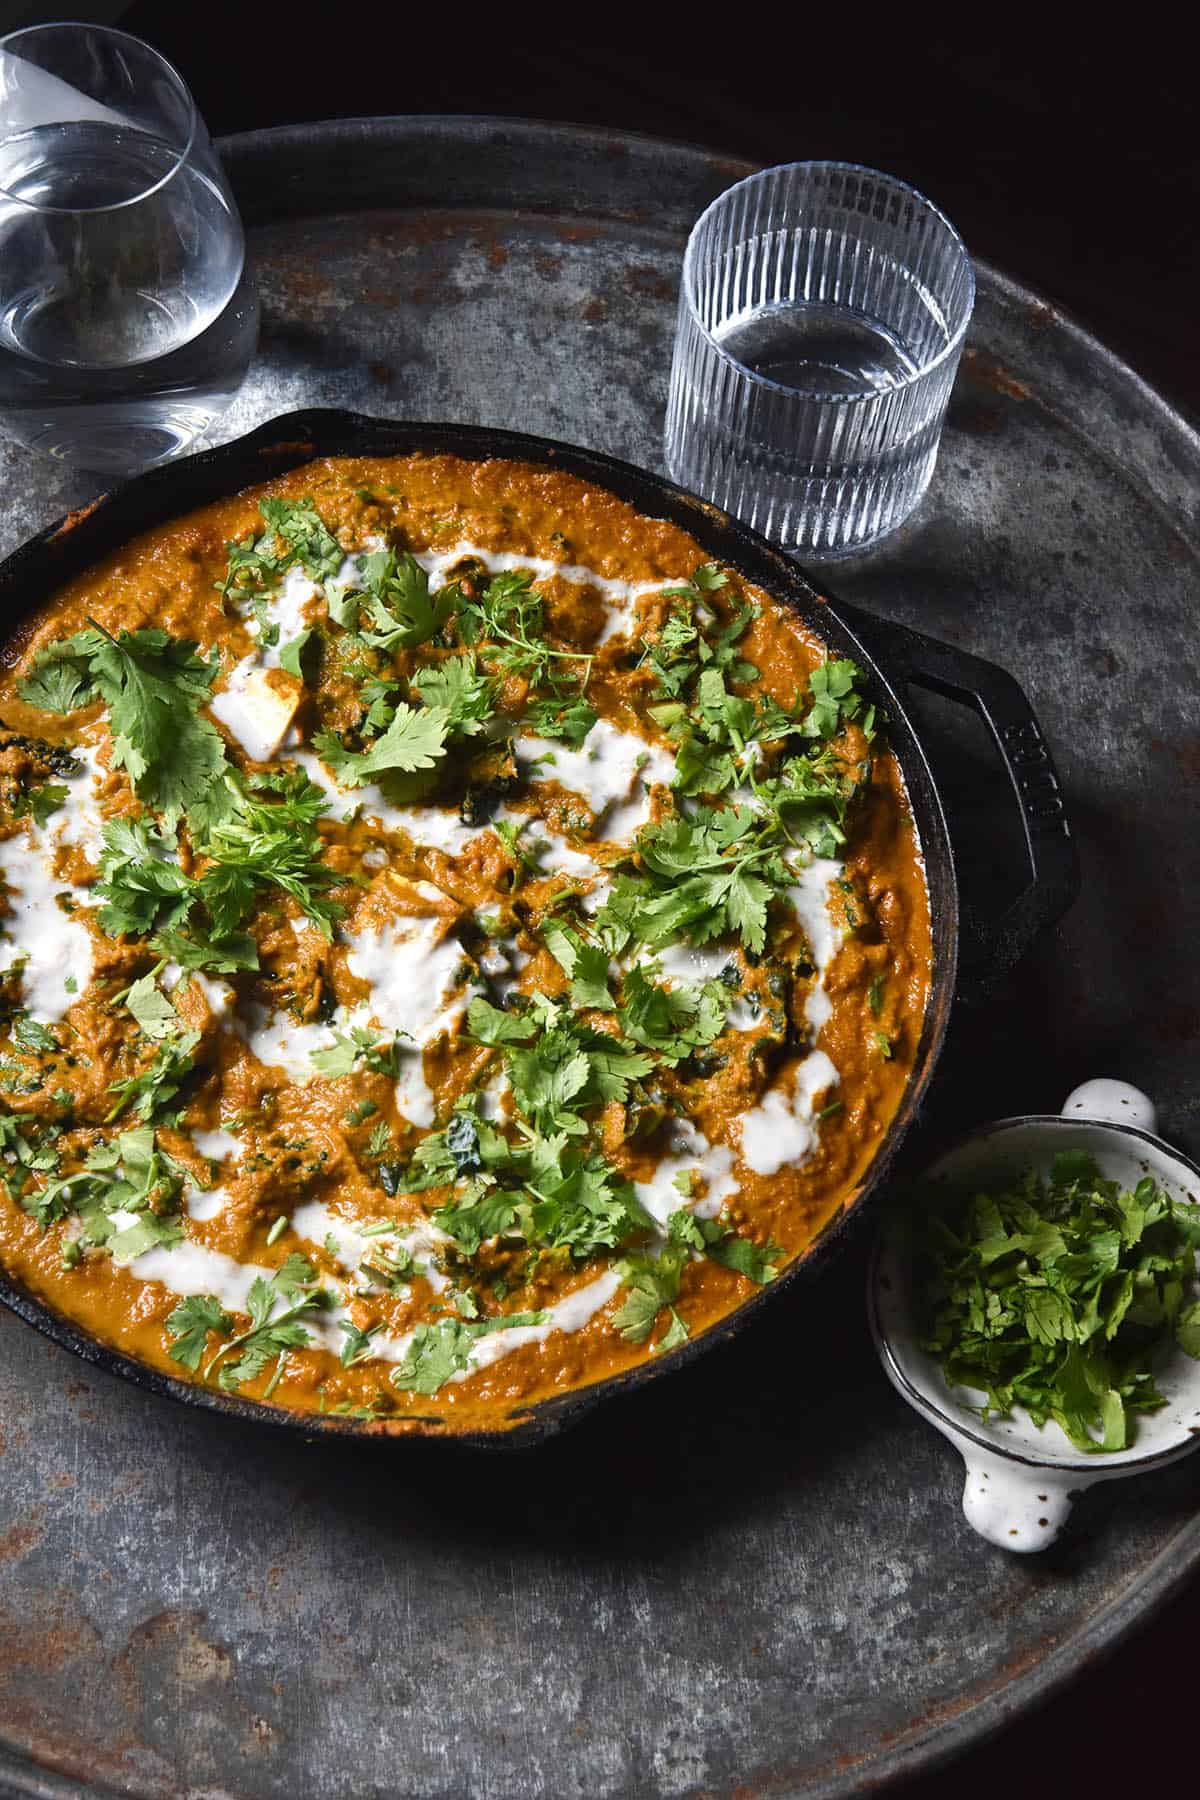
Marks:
<point>675,1334</point>
<point>507,618</point>
<point>568,720</point>
<point>380,1140</point>
<point>472,1225</point>
<point>835,699</point>
<point>28,1034</point>
<point>586,965</point>
<point>673,1022</point>
<point>711,873</point>
<point>265,843</point>
<point>356,1346</point>
<point>489,1025</point>
<point>189,1326</point>
<point>141,882</point>
<point>194,951</point>
<point>146,1232</point>
<point>746,1258</point>
<point>371,1048</point>
<point>396,595</point>
<point>437,1353</point>
<point>154,1089</point>
<point>652,1283</point>
<point>41,803</point>
<point>342,600</point>
<point>272,1333</point>
<point>457,688</point>
<point>415,740</point>
<point>153,685</point>
<point>441,1351</point>
<point>548,1077</point>
<point>151,1008</point>
<point>338,1060</point>
<point>291,657</point>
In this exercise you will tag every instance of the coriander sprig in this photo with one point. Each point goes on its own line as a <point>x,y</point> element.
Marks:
<point>270,1334</point>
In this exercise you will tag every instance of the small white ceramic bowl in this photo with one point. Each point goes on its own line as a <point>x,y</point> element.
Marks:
<point>1021,1479</point>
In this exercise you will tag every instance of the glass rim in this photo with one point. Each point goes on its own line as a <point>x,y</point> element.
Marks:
<point>127,37</point>
<point>826,397</point>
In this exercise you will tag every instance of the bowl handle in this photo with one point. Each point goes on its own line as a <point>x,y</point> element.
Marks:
<point>1013,1507</point>
<point>1114,1102</point>
<point>991,946</point>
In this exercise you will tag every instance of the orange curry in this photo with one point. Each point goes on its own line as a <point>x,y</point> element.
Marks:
<point>456,943</point>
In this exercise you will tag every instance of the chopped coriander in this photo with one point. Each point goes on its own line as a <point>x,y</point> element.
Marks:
<point>362,1110</point>
<point>359,1045</point>
<point>268,839</point>
<point>441,1351</point>
<point>675,1334</point>
<point>154,1088</point>
<point>151,1008</point>
<point>380,1140</point>
<point>28,1034</point>
<point>307,538</point>
<point>586,964</point>
<point>1058,1293</point>
<point>356,1345</point>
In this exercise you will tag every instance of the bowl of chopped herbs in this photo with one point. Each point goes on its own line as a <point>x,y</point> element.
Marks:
<point>1035,1298</point>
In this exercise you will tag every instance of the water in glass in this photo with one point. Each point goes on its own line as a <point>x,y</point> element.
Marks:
<point>819,347</point>
<point>133,326</point>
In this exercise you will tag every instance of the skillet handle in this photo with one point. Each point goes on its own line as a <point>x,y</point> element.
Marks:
<point>990,946</point>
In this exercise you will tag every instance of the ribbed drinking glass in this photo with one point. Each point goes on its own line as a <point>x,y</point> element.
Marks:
<point>821,319</point>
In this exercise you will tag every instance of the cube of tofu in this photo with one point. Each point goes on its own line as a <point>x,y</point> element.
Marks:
<point>258,707</point>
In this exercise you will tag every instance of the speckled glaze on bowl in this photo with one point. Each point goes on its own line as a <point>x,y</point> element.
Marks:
<point>1021,1479</point>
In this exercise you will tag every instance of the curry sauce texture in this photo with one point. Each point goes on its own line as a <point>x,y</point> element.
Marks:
<point>456,943</point>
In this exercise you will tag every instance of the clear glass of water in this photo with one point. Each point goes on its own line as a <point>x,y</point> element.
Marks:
<point>821,319</point>
<point>127,318</point>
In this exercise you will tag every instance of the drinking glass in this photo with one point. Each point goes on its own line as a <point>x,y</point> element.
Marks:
<point>821,319</point>
<point>127,320</point>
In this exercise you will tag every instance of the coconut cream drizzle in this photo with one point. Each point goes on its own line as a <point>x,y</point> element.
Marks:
<point>620,597</point>
<point>782,1128</point>
<point>415,976</point>
<point>49,941</point>
<point>415,973</point>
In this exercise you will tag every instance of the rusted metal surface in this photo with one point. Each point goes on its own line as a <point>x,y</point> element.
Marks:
<point>753,1579</point>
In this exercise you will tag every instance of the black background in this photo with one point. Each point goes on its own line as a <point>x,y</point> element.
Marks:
<point>1067,161</point>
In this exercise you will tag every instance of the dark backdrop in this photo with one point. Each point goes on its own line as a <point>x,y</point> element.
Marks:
<point>1068,162</point>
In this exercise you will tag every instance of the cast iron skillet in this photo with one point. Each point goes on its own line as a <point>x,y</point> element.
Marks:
<point>968,954</point>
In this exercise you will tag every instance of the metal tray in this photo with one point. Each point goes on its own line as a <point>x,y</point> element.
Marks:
<point>755,1577</point>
